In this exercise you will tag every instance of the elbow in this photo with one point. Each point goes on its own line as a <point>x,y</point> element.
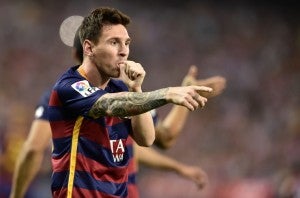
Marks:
<point>165,139</point>
<point>32,149</point>
<point>150,141</point>
<point>146,142</point>
<point>164,144</point>
<point>165,136</point>
<point>143,135</point>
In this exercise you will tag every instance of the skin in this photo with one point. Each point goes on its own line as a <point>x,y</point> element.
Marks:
<point>168,130</point>
<point>31,156</point>
<point>150,157</point>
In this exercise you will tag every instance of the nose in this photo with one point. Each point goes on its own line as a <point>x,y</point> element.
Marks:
<point>124,50</point>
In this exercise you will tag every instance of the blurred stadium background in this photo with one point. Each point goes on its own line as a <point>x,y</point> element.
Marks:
<point>247,139</point>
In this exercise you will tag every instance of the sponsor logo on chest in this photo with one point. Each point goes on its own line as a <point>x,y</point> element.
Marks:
<point>118,149</point>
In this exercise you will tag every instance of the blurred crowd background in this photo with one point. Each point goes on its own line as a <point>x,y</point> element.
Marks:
<point>247,139</point>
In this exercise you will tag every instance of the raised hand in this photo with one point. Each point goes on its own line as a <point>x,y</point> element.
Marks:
<point>217,83</point>
<point>190,78</point>
<point>132,74</point>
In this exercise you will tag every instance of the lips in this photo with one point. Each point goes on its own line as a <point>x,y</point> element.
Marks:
<point>119,63</point>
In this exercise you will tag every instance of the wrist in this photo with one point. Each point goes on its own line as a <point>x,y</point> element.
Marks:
<point>179,168</point>
<point>167,94</point>
<point>136,89</point>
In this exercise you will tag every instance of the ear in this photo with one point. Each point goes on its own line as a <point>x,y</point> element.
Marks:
<point>88,48</point>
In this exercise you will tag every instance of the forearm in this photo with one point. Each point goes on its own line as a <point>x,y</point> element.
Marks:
<point>152,158</point>
<point>128,103</point>
<point>168,130</point>
<point>26,169</point>
<point>143,129</point>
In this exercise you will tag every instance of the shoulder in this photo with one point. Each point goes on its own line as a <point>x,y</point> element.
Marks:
<point>69,77</point>
<point>45,97</point>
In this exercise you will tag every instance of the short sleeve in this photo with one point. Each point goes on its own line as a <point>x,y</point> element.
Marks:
<point>78,96</point>
<point>41,111</point>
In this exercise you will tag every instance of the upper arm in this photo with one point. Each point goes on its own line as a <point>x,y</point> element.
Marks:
<point>78,96</point>
<point>39,135</point>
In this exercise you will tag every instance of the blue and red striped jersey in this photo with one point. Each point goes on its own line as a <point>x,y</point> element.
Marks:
<point>133,191</point>
<point>90,157</point>
<point>41,111</point>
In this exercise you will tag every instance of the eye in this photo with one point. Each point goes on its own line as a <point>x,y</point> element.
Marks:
<point>113,42</point>
<point>127,43</point>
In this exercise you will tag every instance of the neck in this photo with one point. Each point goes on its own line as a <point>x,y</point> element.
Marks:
<point>92,74</point>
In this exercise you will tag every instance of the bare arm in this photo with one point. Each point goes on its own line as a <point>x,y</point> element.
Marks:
<point>30,158</point>
<point>131,103</point>
<point>168,130</point>
<point>152,158</point>
<point>138,104</point>
<point>125,104</point>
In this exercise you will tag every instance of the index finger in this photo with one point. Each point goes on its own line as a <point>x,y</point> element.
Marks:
<point>202,88</point>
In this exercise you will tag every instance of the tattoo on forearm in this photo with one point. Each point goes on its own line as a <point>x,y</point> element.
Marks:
<point>128,103</point>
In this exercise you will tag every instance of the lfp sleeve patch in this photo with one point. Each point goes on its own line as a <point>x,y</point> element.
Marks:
<point>83,87</point>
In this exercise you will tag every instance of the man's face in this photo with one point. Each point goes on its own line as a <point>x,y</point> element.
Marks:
<point>111,50</point>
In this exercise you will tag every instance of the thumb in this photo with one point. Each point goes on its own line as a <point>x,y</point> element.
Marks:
<point>122,67</point>
<point>193,71</point>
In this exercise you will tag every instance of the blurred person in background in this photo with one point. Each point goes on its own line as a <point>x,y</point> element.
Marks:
<point>32,153</point>
<point>11,142</point>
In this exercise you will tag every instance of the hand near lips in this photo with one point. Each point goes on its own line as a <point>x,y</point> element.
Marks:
<point>132,74</point>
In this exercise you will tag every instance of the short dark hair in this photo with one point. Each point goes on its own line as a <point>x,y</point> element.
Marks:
<point>91,27</point>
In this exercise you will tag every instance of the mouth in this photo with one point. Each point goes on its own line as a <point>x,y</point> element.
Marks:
<point>120,62</point>
<point>118,68</point>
